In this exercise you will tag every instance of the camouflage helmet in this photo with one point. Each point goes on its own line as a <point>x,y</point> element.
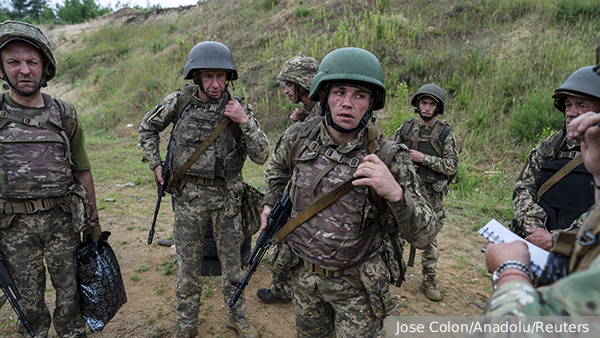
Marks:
<point>210,55</point>
<point>582,83</point>
<point>16,30</point>
<point>300,70</point>
<point>434,91</point>
<point>353,64</point>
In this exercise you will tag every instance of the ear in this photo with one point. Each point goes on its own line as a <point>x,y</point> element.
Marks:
<point>321,94</point>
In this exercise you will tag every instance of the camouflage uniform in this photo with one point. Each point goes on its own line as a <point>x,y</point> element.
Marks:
<point>198,202</point>
<point>314,295</point>
<point>528,213</point>
<point>447,164</point>
<point>578,294</point>
<point>40,148</point>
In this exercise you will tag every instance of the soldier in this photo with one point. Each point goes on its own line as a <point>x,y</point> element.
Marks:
<point>340,274</point>
<point>553,188</point>
<point>296,74</point>
<point>578,294</point>
<point>211,188</point>
<point>435,155</point>
<point>44,174</point>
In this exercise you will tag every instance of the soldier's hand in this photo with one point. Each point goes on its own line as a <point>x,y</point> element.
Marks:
<point>417,156</point>
<point>158,170</point>
<point>374,173</point>
<point>584,127</point>
<point>540,237</point>
<point>496,254</point>
<point>235,112</point>
<point>95,231</point>
<point>295,115</point>
<point>264,217</point>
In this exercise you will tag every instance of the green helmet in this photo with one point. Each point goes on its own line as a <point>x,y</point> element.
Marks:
<point>353,64</point>
<point>300,70</point>
<point>434,91</point>
<point>582,83</point>
<point>16,30</point>
<point>210,55</point>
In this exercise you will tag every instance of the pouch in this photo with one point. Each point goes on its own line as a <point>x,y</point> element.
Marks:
<point>252,203</point>
<point>374,276</point>
<point>81,207</point>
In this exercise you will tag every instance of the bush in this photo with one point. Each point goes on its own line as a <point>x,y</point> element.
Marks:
<point>528,120</point>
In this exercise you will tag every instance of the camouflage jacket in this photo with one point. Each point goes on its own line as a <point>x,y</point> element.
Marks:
<point>524,199</point>
<point>253,140</point>
<point>447,163</point>
<point>577,294</point>
<point>413,214</point>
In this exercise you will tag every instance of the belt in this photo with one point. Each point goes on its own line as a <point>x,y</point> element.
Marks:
<point>317,270</point>
<point>32,206</point>
<point>217,181</point>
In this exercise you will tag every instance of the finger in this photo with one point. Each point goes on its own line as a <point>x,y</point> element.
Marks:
<point>372,158</point>
<point>530,230</point>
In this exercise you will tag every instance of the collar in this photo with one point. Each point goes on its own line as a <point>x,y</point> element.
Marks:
<point>345,148</point>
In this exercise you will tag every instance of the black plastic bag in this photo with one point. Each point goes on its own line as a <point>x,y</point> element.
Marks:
<point>101,286</point>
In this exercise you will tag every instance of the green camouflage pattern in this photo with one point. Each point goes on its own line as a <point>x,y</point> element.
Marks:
<point>36,161</point>
<point>194,208</point>
<point>195,205</point>
<point>578,294</point>
<point>445,164</point>
<point>317,298</point>
<point>30,242</point>
<point>300,70</point>
<point>326,307</point>
<point>10,30</point>
<point>529,214</point>
<point>254,143</point>
<point>284,258</point>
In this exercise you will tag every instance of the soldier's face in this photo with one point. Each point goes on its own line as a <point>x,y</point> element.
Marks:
<point>23,65</point>
<point>348,105</point>
<point>575,106</point>
<point>214,82</point>
<point>428,106</point>
<point>289,91</point>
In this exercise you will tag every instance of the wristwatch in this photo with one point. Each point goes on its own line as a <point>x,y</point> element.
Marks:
<point>510,265</point>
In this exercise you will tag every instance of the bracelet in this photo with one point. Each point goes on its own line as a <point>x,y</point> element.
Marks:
<point>511,274</point>
<point>510,264</point>
<point>593,184</point>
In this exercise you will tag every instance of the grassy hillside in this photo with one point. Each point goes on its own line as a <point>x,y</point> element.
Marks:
<point>498,60</point>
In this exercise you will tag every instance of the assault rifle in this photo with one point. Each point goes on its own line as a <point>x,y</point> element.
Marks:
<point>161,190</point>
<point>12,295</point>
<point>277,219</point>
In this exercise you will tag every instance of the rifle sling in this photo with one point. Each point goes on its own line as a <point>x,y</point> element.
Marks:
<point>306,110</point>
<point>416,127</point>
<point>564,171</point>
<point>313,209</point>
<point>209,140</point>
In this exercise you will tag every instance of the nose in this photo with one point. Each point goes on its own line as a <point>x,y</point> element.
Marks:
<point>346,100</point>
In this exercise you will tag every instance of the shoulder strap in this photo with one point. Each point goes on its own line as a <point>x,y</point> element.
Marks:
<point>416,134</point>
<point>564,171</point>
<point>187,93</point>
<point>587,245</point>
<point>68,115</point>
<point>308,134</point>
<point>306,110</point>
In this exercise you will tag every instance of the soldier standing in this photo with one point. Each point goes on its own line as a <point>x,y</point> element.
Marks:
<point>434,152</point>
<point>340,276</point>
<point>553,189</point>
<point>43,164</point>
<point>297,74</point>
<point>211,189</point>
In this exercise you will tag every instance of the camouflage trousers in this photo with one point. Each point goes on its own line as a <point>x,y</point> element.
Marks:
<point>194,207</point>
<point>25,244</point>
<point>282,276</point>
<point>332,307</point>
<point>429,256</point>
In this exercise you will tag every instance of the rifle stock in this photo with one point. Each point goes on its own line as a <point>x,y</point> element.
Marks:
<point>277,219</point>
<point>12,295</point>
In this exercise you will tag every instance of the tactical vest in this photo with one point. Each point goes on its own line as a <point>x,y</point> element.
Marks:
<point>563,211</point>
<point>35,151</point>
<point>345,233</point>
<point>430,143</point>
<point>223,158</point>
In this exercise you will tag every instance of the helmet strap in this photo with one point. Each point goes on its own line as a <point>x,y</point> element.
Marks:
<point>297,93</point>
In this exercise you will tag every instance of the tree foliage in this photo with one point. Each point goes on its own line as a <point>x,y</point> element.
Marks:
<point>75,11</point>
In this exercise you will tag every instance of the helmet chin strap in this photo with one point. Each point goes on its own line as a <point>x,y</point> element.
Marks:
<point>363,122</point>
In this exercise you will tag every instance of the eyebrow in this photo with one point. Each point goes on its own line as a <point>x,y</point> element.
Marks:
<point>357,89</point>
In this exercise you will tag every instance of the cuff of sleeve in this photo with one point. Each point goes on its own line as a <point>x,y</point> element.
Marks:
<point>428,160</point>
<point>404,205</point>
<point>154,163</point>
<point>270,200</point>
<point>249,125</point>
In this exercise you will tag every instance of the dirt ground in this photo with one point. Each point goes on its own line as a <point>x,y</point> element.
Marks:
<point>150,309</point>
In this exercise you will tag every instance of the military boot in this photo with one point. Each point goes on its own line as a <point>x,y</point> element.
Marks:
<point>192,333</point>
<point>267,296</point>
<point>243,327</point>
<point>429,286</point>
